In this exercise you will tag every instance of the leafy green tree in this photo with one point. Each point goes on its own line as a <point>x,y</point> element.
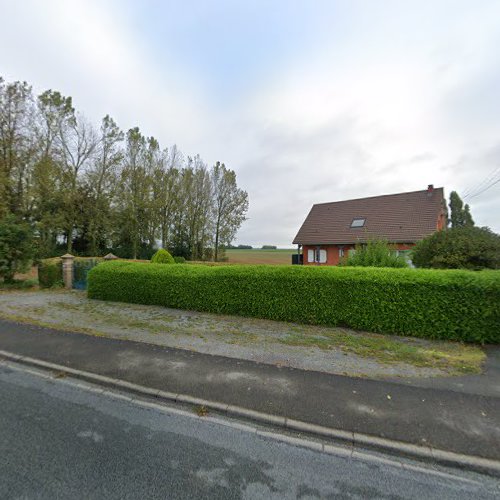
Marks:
<point>464,247</point>
<point>16,247</point>
<point>468,220</point>
<point>230,205</point>
<point>47,205</point>
<point>53,113</point>
<point>198,190</point>
<point>134,188</point>
<point>154,160</point>
<point>459,214</point>
<point>86,192</point>
<point>16,146</point>
<point>375,253</point>
<point>167,185</point>
<point>191,230</point>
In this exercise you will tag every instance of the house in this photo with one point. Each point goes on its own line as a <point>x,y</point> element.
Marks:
<point>331,230</point>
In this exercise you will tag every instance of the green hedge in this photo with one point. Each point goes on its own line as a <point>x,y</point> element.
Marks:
<point>50,273</point>
<point>451,304</point>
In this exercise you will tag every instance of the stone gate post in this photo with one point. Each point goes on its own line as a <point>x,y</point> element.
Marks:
<point>67,270</point>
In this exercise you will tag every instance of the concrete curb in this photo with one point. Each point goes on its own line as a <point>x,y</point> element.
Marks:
<point>354,439</point>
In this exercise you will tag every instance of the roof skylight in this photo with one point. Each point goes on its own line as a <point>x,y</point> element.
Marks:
<point>358,222</point>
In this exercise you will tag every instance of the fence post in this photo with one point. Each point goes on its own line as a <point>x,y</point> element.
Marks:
<point>67,270</point>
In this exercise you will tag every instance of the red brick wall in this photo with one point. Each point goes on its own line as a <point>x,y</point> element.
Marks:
<point>404,246</point>
<point>441,223</point>
<point>332,252</point>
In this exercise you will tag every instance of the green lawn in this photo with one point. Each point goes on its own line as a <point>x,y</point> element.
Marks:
<point>259,256</point>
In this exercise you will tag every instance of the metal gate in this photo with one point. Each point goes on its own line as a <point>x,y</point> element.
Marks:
<point>80,271</point>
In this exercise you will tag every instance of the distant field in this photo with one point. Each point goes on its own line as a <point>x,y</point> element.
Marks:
<point>257,256</point>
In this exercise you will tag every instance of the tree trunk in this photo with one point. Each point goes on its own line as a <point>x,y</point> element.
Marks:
<point>217,230</point>
<point>69,240</point>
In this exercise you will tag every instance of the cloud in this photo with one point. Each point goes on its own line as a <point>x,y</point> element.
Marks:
<point>307,102</point>
<point>89,50</point>
<point>390,121</point>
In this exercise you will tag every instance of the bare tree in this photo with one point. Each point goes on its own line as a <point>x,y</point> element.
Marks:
<point>78,142</point>
<point>102,180</point>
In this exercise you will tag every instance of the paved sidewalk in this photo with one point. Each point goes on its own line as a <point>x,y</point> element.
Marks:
<point>449,419</point>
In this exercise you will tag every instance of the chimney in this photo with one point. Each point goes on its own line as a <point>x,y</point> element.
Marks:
<point>430,188</point>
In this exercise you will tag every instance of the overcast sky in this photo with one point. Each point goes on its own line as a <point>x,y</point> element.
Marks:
<point>308,101</point>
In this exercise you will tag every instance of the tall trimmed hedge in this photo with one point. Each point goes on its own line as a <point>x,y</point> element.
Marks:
<point>451,304</point>
<point>50,273</point>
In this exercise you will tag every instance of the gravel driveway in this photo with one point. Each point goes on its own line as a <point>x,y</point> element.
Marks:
<point>287,344</point>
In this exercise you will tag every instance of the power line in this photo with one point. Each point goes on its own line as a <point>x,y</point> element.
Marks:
<point>488,178</point>
<point>486,188</point>
<point>478,188</point>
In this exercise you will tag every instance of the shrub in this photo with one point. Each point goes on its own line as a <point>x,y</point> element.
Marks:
<point>179,260</point>
<point>464,247</point>
<point>50,273</point>
<point>162,257</point>
<point>19,284</point>
<point>16,247</point>
<point>455,305</point>
<point>375,253</point>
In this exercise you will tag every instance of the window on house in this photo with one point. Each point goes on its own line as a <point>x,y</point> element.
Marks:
<point>341,252</point>
<point>358,222</point>
<point>317,255</point>
<point>321,256</point>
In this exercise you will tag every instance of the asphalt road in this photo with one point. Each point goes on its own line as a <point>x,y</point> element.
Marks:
<point>445,419</point>
<point>59,440</point>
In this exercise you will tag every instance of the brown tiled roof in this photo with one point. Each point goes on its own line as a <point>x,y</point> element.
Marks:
<point>402,218</point>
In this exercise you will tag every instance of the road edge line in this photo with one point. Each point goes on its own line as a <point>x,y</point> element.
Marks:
<point>399,448</point>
